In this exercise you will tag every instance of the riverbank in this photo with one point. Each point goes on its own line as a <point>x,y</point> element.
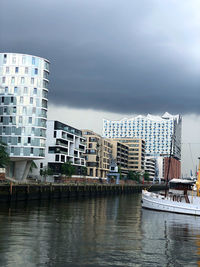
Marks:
<point>19,192</point>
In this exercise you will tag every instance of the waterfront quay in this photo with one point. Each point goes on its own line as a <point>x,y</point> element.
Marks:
<point>24,192</point>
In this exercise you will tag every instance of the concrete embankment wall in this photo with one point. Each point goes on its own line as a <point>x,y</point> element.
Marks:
<point>14,192</point>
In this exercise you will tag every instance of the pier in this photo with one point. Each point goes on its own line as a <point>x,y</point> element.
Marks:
<point>25,192</point>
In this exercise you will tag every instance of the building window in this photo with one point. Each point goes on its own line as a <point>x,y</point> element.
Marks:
<point>23,60</point>
<point>1,119</point>
<point>31,100</point>
<point>5,58</point>
<point>11,99</point>
<point>21,99</point>
<point>45,84</point>
<point>19,140</point>
<point>16,69</point>
<point>13,80</point>
<point>12,149</point>
<point>32,80</point>
<point>57,158</point>
<point>36,71</point>
<point>15,90</point>
<point>3,79</point>
<point>26,70</point>
<point>41,165</point>
<point>2,99</point>
<point>29,140</point>
<point>30,120</point>
<point>20,119</point>
<point>31,150</point>
<point>14,60</point>
<point>90,145</point>
<point>54,135</point>
<point>35,91</point>
<point>24,110</point>
<point>22,79</point>
<point>25,90</point>
<point>6,89</point>
<point>7,69</point>
<point>33,60</point>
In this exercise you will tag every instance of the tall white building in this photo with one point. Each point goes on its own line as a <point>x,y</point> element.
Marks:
<point>24,83</point>
<point>158,132</point>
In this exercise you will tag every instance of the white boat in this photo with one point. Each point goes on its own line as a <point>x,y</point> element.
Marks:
<point>182,198</point>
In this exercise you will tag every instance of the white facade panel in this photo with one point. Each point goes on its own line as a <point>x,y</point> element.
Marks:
<point>23,104</point>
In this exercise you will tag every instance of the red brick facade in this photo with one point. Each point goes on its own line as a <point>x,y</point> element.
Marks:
<point>174,170</point>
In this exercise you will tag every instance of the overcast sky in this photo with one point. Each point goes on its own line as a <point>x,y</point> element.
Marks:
<point>114,57</point>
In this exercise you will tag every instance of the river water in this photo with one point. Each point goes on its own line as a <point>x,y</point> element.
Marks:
<point>106,231</point>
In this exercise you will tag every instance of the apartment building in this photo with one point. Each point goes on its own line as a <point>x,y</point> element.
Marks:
<point>24,83</point>
<point>64,143</point>
<point>136,152</point>
<point>120,156</point>
<point>98,154</point>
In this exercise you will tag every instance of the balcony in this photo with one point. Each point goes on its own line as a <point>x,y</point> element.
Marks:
<point>81,148</point>
<point>60,142</point>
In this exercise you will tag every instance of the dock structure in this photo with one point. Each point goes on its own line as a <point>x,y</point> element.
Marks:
<point>25,192</point>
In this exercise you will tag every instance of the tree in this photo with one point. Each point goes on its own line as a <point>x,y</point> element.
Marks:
<point>84,170</point>
<point>120,172</point>
<point>146,176</point>
<point>4,157</point>
<point>45,172</point>
<point>67,169</point>
<point>135,176</point>
<point>33,166</point>
<point>130,175</point>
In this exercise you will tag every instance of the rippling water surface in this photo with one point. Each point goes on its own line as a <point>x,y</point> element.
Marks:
<point>109,231</point>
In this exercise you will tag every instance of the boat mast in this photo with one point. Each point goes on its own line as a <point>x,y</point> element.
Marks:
<point>169,162</point>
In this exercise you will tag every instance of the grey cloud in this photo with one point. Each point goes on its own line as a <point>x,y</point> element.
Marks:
<point>121,56</point>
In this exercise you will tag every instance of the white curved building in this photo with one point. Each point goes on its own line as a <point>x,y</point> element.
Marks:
<point>24,83</point>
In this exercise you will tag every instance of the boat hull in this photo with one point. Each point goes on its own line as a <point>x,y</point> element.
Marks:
<point>160,203</point>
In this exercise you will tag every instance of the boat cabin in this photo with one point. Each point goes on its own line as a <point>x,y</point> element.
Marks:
<point>181,185</point>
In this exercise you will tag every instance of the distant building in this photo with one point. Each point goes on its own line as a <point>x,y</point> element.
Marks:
<point>172,168</point>
<point>64,144</point>
<point>136,152</point>
<point>160,167</point>
<point>120,155</point>
<point>24,83</point>
<point>98,154</point>
<point>157,132</point>
<point>150,167</point>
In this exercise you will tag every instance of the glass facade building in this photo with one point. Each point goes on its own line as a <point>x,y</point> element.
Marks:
<point>157,132</point>
<point>24,83</point>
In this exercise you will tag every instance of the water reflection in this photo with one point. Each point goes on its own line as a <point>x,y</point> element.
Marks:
<point>175,236</point>
<point>110,231</point>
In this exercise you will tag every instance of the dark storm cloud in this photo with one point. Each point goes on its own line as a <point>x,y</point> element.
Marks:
<point>116,55</point>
